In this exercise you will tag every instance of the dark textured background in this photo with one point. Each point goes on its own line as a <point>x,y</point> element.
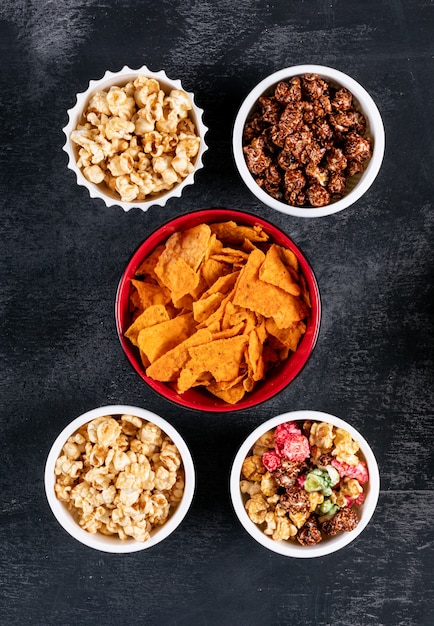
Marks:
<point>62,255</point>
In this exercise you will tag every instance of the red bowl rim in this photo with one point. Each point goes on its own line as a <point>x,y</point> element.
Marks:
<point>196,398</point>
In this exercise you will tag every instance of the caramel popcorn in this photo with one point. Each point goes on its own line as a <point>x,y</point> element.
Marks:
<point>257,508</point>
<point>136,139</point>
<point>253,468</point>
<point>345,448</point>
<point>120,475</point>
<point>280,528</point>
<point>321,435</point>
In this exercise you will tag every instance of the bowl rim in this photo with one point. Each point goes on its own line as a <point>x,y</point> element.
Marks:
<point>286,548</point>
<point>112,544</point>
<point>74,113</point>
<point>208,215</point>
<point>370,111</point>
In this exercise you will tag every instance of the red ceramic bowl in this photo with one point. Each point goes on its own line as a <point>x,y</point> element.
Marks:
<point>277,378</point>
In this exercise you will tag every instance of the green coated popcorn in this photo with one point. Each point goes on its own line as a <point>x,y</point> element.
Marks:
<point>318,480</point>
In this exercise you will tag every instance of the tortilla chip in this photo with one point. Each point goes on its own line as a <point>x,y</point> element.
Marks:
<point>179,278</point>
<point>232,395</point>
<point>254,357</point>
<point>215,319</point>
<point>135,303</point>
<point>234,315</point>
<point>231,256</point>
<point>161,338</point>
<point>233,233</point>
<point>183,305</point>
<point>147,267</point>
<point>222,358</point>
<point>239,329</point>
<point>248,383</point>
<point>214,245</point>
<point>154,314</point>
<point>268,300</point>
<point>227,384</point>
<point>224,283</point>
<point>261,329</point>
<point>289,337</point>
<point>150,294</point>
<point>203,308</point>
<point>167,367</point>
<point>212,270</point>
<point>288,257</point>
<point>200,288</point>
<point>274,271</point>
<point>189,245</point>
<point>248,246</point>
<point>203,381</point>
<point>144,359</point>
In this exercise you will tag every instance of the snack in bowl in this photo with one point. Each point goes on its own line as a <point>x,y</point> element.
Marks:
<point>135,138</point>
<point>305,140</point>
<point>305,481</point>
<point>217,305</point>
<point>116,479</point>
<point>308,141</point>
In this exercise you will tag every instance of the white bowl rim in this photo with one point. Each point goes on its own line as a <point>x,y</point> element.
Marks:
<point>370,111</point>
<point>111,78</point>
<point>289,548</point>
<point>99,541</point>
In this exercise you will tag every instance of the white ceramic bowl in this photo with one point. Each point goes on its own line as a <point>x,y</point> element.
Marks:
<point>358,184</point>
<point>328,545</point>
<point>120,78</point>
<point>114,544</point>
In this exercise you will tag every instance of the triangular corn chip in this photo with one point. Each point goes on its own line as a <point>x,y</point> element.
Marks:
<point>274,271</point>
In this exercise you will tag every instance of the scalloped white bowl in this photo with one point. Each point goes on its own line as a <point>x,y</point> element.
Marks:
<point>120,78</point>
<point>329,544</point>
<point>113,544</point>
<point>357,185</point>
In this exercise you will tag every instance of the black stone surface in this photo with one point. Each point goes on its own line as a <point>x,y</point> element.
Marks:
<point>62,254</point>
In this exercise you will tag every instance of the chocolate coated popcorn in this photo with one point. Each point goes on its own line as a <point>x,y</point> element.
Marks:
<point>305,140</point>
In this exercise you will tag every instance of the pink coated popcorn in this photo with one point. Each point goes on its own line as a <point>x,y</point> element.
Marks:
<point>301,480</point>
<point>290,443</point>
<point>359,471</point>
<point>271,460</point>
<point>295,447</point>
<point>360,499</point>
<point>351,501</point>
<point>283,430</point>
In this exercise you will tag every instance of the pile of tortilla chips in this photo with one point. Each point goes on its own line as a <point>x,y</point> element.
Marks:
<point>217,306</point>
